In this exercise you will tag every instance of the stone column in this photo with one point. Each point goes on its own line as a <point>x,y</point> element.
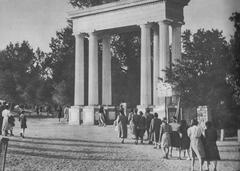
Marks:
<point>79,70</point>
<point>176,51</point>
<point>93,70</point>
<point>145,93</point>
<point>176,42</point>
<point>106,72</point>
<point>155,63</point>
<point>164,48</point>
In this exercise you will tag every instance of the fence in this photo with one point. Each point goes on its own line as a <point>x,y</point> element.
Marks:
<point>3,152</point>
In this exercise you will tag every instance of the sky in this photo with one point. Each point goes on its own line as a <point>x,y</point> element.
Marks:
<point>38,20</point>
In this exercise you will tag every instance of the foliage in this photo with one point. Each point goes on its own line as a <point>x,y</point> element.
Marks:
<point>88,3</point>
<point>200,77</point>
<point>234,76</point>
<point>19,76</point>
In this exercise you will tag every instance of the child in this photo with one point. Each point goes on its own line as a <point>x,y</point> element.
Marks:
<point>23,123</point>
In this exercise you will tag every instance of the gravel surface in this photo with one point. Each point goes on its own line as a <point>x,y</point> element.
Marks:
<point>50,145</point>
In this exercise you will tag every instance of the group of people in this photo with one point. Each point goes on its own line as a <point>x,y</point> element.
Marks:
<point>193,140</point>
<point>7,119</point>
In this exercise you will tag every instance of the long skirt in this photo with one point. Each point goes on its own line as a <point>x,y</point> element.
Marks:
<point>122,131</point>
<point>197,148</point>
<point>212,152</point>
<point>175,139</point>
<point>166,140</point>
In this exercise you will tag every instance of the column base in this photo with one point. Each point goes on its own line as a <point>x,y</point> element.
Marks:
<point>90,115</point>
<point>75,113</point>
<point>110,114</point>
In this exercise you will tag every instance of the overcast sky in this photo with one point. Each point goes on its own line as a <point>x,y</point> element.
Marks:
<point>38,20</point>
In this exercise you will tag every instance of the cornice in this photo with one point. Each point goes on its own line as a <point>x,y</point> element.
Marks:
<point>109,7</point>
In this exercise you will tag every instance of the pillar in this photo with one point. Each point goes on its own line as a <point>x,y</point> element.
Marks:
<point>106,72</point>
<point>163,48</point>
<point>145,94</point>
<point>176,42</point>
<point>79,70</point>
<point>176,51</point>
<point>155,63</point>
<point>93,70</point>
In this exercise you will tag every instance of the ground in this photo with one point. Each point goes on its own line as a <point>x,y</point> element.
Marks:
<point>50,145</point>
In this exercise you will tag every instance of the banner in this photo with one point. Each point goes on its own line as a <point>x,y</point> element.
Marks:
<point>164,89</point>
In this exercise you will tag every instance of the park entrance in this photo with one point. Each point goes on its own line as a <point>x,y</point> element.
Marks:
<point>153,18</point>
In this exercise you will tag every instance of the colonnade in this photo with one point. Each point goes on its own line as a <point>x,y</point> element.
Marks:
<point>161,60</point>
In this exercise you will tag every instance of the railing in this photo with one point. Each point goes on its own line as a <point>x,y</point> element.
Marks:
<point>3,152</point>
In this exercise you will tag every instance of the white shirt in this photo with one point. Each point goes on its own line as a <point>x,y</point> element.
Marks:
<point>194,132</point>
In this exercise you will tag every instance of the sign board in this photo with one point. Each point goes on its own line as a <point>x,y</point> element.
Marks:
<point>164,89</point>
<point>202,115</point>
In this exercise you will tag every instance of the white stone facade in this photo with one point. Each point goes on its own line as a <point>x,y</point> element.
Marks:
<point>101,21</point>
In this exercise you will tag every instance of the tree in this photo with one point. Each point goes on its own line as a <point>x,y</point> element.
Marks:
<point>200,77</point>
<point>88,3</point>
<point>19,78</point>
<point>234,76</point>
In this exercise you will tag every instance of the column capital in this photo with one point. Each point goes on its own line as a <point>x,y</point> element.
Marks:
<point>79,34</point>
<point>146,25</point>
<point>177,24</point>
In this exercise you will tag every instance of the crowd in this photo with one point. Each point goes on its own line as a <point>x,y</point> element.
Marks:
<point>193,140</point>
<point>7,119</point>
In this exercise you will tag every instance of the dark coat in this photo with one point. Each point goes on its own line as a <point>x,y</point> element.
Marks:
<point>211,149</point>
<point>155,128</point>
<point>122,126</point>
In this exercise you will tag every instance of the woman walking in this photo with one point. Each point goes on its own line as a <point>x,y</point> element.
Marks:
<point>212,153</point>
<point>23,123</point>
<point>196,145</point>
<point>175,136</point>
<point>165,138</point>
<point>122,126</point>
<point>184,139</point>
<point>8,121</point>
<point>155,129</point>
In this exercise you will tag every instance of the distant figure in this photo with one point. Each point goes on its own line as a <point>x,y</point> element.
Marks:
<point>184,139</point>
<point>212,153</point>
<point>154,129</point>
<point>23,123</point>
<point>66,113</point>
<point>8,121</point>
<point>102,118</point>
<point>149,116</point>
<point>196,144</point>
<point>37,109</point>
<point>165,138</point>
<point>59,111</point>
<point>140,127</point>
<point>130,121</point>
<point>175,136</point>
<point>2,107</point>
<point>122,126</point>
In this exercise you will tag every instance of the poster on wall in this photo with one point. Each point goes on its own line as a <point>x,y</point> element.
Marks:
<point>202,115</point>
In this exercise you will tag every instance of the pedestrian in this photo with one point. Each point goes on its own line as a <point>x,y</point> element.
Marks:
<point>196,144</point>
<point>135,125</point>
<point>154,129</point>
<point>184,139</point>
<point>165,139</point>
<point>122,126</point>
<point>59,111</point>
<point>8,121</point>
<point>149,118</point>
<point>23,123</point>
<point>141,127</point>
<point>2,107</point>
<point>102,117</point>
<point>130,122</point>
<point>212,153</point>
<point>175,136</point>
<point>66,112</point>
